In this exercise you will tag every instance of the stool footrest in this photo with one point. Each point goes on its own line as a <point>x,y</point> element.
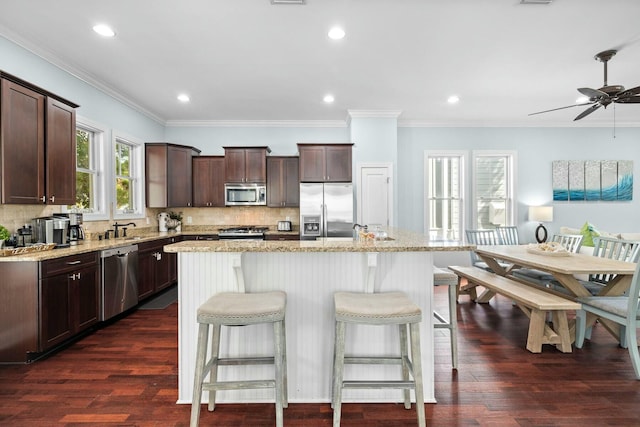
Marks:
<point>378,384</point>
<point>239,385</point>
<point>355,360</point>
<point>232,361</point>
<point>443,322</point>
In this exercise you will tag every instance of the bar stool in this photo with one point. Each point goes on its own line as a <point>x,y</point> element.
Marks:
<point>239,309</point>
<point>442,277</point>
<point>388,308</point>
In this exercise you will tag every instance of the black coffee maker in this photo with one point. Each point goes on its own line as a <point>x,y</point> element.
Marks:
<point>75,233</point>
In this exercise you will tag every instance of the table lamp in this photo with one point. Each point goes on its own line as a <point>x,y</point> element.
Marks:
<point>541,214</point>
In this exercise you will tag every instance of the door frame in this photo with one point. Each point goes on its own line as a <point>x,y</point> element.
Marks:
<point>389,167</point>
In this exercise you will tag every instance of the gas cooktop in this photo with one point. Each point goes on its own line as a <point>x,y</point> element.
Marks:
<point>248,231</point>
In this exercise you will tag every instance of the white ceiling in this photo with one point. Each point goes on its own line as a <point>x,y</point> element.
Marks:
<point>249,60</point>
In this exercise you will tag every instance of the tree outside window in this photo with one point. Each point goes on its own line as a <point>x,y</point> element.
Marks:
<point>85,172</point>
<point>125,200</point>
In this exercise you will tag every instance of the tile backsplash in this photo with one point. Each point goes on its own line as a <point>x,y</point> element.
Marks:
<point>14,217</point>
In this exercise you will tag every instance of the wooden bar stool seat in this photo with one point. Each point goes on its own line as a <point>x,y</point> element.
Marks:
<point>386,308</point>
<point>239,309</point>
<point>445,277</point>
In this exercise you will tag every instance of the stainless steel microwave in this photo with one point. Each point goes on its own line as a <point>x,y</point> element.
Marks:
<point>245,195</point>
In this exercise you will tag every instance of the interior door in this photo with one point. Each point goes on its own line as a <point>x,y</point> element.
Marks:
<point>375,196</point>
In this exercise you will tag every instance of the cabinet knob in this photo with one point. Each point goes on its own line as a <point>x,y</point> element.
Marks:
<point>52,199</point>
<point>43,199</point>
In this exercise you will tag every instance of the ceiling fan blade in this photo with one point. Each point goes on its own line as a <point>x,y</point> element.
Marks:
<point>628,100</point>
<point>561,108</point>
<point>629,92</point>
<point>588,111</point>
<point>592,93</point>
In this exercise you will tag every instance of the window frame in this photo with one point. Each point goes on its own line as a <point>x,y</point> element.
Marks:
<point>462,155</point>
<point>99,158</point>
<point>511,182</point>
<point>136,168</point>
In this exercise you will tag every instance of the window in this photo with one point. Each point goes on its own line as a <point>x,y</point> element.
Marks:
<point>445,196</point>
<point>493,177</point>
<point>127,173</point>
<point>90,171</point>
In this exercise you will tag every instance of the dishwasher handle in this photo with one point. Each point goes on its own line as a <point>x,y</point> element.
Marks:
<point>119,251</point>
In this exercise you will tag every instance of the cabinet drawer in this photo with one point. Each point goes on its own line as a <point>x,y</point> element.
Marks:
<point>282,237</point>
<point>153,245</point>
<point>68,263</point>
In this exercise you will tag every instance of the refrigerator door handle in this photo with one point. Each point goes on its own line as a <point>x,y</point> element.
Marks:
<point>324,232</point>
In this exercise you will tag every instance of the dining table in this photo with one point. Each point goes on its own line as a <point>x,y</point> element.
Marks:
<point>567,268</point>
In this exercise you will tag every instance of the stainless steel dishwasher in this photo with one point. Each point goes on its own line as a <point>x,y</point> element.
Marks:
<point>119,280</point>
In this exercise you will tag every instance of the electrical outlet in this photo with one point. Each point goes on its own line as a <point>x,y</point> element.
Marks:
<point>288,218</point>
<point>148,222</point>
<point>189,220</point>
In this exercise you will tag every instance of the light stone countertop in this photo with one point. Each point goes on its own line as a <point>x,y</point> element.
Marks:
<point>400,241</point>
<point>135,236</point>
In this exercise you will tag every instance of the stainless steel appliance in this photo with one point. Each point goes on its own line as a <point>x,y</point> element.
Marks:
<point>51,229</point>
<point>249,232</point>
<point>75,233</point>
<point>119,290</point>
<point>245,195</point>
<point>326,210</point>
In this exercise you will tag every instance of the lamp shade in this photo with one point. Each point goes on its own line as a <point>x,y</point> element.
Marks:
<point>541,213</point>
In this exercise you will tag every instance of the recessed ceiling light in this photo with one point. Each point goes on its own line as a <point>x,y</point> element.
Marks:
<point>104,30</point>
<point>453,99</point>
<point>183,97</point>
<point>582,100</point>
<point>336,33</point>
<point>328,99</point>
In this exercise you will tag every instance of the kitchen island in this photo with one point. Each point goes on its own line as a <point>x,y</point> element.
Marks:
<point>309,272</point>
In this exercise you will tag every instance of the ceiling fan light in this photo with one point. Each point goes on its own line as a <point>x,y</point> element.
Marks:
<point>582,100</point>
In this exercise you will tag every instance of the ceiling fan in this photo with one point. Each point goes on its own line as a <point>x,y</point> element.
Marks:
<point>605,95</point>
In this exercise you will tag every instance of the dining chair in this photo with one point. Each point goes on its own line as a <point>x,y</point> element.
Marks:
<point>481,237</point>
<point>508,235</point>
<point>622,310</point>
<point>571,242</point>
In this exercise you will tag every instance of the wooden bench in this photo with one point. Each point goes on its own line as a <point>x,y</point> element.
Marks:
<point>535,302</point>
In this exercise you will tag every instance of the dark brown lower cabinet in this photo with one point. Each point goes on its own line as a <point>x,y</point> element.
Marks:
<point>156,269</point>
<point>69,298</point>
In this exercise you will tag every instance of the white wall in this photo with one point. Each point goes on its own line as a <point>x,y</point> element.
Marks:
<point>281,140</point>
<point>94,104</point>
<point>537,148</point>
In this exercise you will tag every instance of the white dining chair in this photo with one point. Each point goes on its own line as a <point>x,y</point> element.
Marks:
<point>622,310</point>
<point>508,235</point>
<point>481,237</point>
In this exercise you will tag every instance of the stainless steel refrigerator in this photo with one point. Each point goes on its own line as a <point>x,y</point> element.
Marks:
<point>326,210</point>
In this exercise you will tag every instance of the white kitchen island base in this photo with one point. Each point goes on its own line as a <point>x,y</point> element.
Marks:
<point>309,279</point>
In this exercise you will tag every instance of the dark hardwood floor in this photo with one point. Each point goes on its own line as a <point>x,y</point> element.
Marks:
<point>126,375</point>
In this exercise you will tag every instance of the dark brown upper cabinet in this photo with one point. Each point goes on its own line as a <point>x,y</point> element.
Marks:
<point>283,184</point>
<point>208,181</point>
<point>168,174</point>
<point>37,145</point>
<point>246,164</point>
<point>325,162</point>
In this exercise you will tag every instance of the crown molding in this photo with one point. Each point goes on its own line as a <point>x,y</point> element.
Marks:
<point>258,123</point>
<point>518,124</point>
<point>76,72</point>
<point>379,114</point>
